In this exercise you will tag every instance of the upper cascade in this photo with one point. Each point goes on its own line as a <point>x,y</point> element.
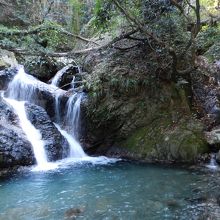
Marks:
<point>22,86</point>
<point>57,78</point>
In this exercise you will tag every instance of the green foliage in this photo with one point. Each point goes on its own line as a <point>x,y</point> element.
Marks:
<point>103,12</point>
<point>207,37</point>
<point>49,39</point>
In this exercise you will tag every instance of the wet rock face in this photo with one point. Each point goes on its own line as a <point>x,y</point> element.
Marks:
<point>15,149</point>
<point>6,76</point>
<point>55,144</point>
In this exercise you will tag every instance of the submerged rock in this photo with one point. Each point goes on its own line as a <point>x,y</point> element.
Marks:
<point>55,144</point>
<point>72,213</point>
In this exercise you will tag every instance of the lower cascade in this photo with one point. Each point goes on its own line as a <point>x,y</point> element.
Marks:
<point>75,148</point>
<point>33,135</point>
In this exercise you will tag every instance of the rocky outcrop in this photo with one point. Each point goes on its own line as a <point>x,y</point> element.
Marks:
<point>6,76</point>
<point>135,111</point>
<point>15,149</point>
<point>7,59</point>
<point>55,144</point>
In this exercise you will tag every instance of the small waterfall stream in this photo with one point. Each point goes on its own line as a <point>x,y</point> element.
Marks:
<point>21,87</point>
<point>212,164</point>
<point>76,150</point>
<point>56,79</point>
<point>33,135</point>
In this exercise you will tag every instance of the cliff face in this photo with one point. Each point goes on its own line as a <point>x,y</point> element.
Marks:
<point>135,111</point>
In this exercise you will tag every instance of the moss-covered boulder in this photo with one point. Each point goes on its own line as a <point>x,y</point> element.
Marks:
<point>164,141</point>
<point>135,111</point>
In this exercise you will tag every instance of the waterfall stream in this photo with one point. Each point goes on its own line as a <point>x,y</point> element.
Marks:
<point>212,164</point>
<point>33,135</point>
<point>76,150</point>
<point>21,89</point>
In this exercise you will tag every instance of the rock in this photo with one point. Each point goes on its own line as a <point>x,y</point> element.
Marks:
<point>45,68</point>
<point>6,76</point>
<point>55,144</point>
<point>133,112</point>
<point>213,137</point>
<point>172,204</point>
<point>163,142</point>
<point>7,59</point>
<point>72,213</point>
<point>15,149</point>
<point>218,161</point>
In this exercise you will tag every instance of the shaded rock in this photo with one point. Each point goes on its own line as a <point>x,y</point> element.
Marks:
<point>43,68</point>
<point>164,141</point>
<point>55,144</point>
<point>15,149</point>
<point>6,76</point>
<point>218,161</point>
<point>173,204</point>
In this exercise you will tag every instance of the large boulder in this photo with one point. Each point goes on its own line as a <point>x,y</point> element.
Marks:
<point>15,149</point>
<point>134,110</point>
<point>55,144</point>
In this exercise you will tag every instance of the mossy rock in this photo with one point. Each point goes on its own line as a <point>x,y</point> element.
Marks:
<point>163,140</point>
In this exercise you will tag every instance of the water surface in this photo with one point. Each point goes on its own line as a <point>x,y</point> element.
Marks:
<point>114,191</point>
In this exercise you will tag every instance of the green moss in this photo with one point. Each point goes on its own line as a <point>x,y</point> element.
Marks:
<point>137,142</point>
<point>164,140</point>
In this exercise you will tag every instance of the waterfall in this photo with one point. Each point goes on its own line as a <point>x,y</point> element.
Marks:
<point>212,164</point>
<point>21,87</point>
<point>71,122</point>
<point>76,150</point>
<point>72,117</point>
<point>33,135</point>
<point>57,78</point>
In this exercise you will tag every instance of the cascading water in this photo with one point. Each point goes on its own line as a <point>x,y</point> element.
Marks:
<point>72,117</point>
<point>33,135</point>
<point>21,88</point>
<point>56,79</point>
<point>75,148</point>
<point>212,164</point>
<point>71,122</point>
